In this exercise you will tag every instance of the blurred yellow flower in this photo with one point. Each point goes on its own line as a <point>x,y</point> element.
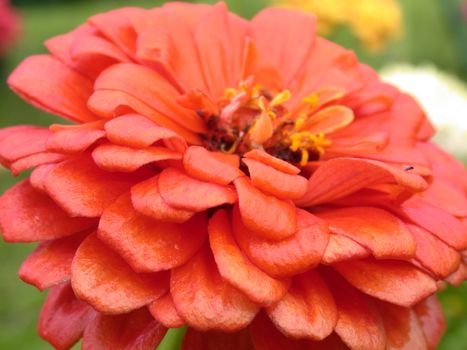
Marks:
<point>374,22</point>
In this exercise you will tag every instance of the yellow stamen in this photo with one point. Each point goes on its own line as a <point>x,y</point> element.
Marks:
<point>280,98</point>
<point>305,157</point>
<point>312,100</point>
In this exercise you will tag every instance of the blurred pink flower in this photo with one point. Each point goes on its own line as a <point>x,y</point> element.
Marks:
<point>9,25</point>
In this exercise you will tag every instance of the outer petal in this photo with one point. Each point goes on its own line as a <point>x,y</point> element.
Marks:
<point>433,254</point>
<point>195,340</point>
<point>290,256</point>
<point>397,282</point>
<point>104,280</point>
<point>210,166</point>
<point>146,244</point>
<point>116,158</point>
<point>340,177</point>
<point>237,269</point>
<point>184,192</point>
<point>285,48</point>
<point>27,215</point>
<point>205,300</point>
<point>265,215</point>
<point>63,318</point>
<point>308,310</point>
<point>50,263</point>
<point>359,324</point>
<point>135,330</point>
<point>74,140</point>
<point>83,189</point>
<point>341,248</point>
<point>377,230</point>
<point>402,328</point>
<point>431,319</point>
<point>272,161</point>
<point>275,182</point>
<point>146,199</point>
<point>164,311</point>
<point>50,85</point>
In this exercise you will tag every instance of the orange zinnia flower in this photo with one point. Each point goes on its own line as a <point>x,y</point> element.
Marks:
<point>249,180</point>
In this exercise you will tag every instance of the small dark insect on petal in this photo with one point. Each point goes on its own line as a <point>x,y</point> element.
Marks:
<point>408,168</point>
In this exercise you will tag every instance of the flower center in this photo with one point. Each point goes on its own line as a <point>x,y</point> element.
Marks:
<point>251,117</point>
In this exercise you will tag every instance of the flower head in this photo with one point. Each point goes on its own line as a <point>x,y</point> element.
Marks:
<point>249,180</point>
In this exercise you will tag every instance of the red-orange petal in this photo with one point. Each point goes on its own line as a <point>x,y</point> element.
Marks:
<point>74,140</point>
<point>195,340</point>
<point>430,316</point>
<point>308,309</point>
<point>290,256</point>
<point>397,282</point>
<point>103,279</point>
<point>275,182</point>
<point>27,215</point>
<point>63,318</point>
<point>184,192</point>
<point>50,85</point>
<point>359,324</point>
<point>205,300</point>
<point>341,248</point>
<point>50,263</point>
<point>36,160</point>
<point>134,130</point>
<point>146,244</point>
<point>210,166</point>
<point>147,199</point>
<point>403,330</point>
<point>164,311</point>
<point>383,234</point>
<point>115,158</point>
<point>237,269</point>
<point>272,161</point>
<point>82,189</point>
<point>340,177</point>
<point>434,255</point>
<point>267,216</point>
<point>134,330</point>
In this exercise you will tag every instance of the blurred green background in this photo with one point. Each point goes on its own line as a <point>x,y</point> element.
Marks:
<point>434,32</point>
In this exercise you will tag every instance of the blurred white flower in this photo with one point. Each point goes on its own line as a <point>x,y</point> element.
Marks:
<point>444,98</point>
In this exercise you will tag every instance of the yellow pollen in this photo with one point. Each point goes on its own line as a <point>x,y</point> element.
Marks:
<point>312,100</point>
<point>305,141</point>
<point>280,98</point>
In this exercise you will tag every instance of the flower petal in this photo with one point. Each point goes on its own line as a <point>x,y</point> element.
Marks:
<point>17,142</point>
<point>103,279</point>
<point>36,160</point>
<point>74,140</point>
<point>359,324</point>
<point>289,48</point>
<point>340,177</point>
<point>134,130</point>
<point>210,166</point>
<point>147,199</point>
<point>430,316</point>
<point>265,215</point>
<point>135,330</point>
<point>184,192</point>
<point>146,244</point>
<point>290,256</point>
<point>47,83</point>
<point>402,328</point>
<point>237,269</point>
<point>329,120</point>
<point>205,300</point>
<point>63,318</point>
<point>164,311</point>
<point>195,340</point>
<point>308,309</point>
<point>275,182</point>
<point>397,282</point>
<point>433,254</point>
<point>272,161</point>
<point>50,263</point>
<point>82,189</point>
<point>27,215</point>
<point>383,234</point>
<point>341,248</point>
<point>116,158</point>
